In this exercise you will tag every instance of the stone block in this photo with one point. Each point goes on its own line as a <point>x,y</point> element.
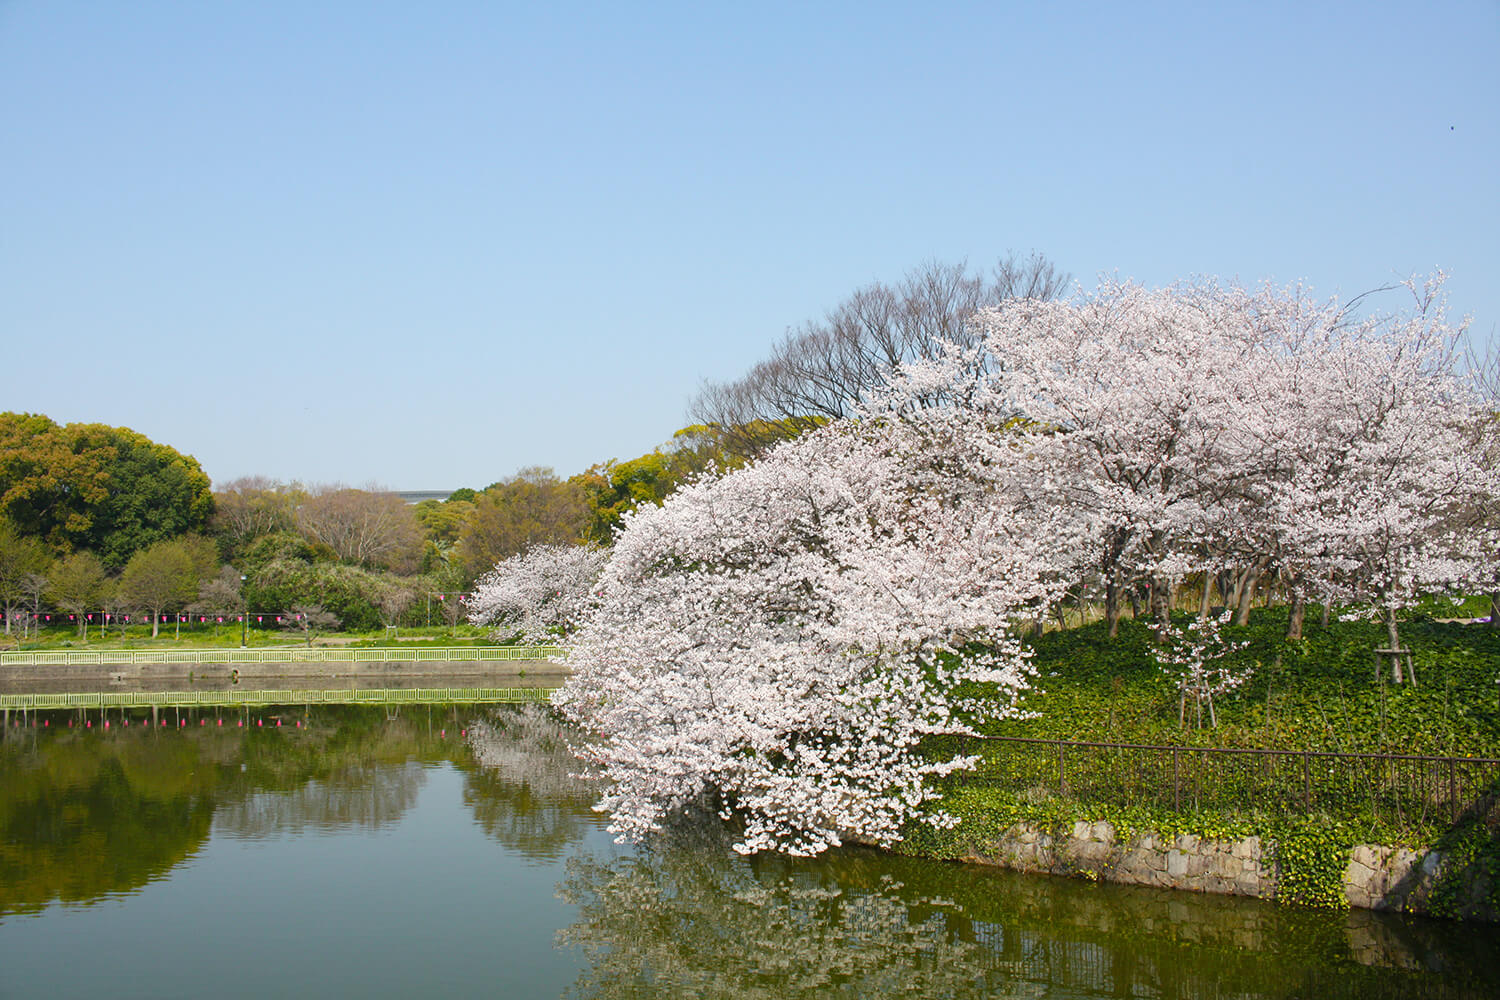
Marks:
<point>1224,865</point>
<point>1080,830</point>
<point>1104,831</point>
<point>1177,864</point>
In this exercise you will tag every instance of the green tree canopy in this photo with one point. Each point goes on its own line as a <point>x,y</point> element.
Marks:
<point>51,480</point>
<point>533,507</point>
<point>166,576</point>
<point>92,486</point>
<point>78,585</point>
<point>612,489</point>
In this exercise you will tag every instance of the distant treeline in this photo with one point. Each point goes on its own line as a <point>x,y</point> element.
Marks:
<point>101,520</point>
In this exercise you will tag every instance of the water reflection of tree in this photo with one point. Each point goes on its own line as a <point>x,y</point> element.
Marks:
<point>87,819</point>
<point>86,815</point>
<point>367,797</point>
<point>684,917</point>
<point>350,767</point>
<point>524,793</point>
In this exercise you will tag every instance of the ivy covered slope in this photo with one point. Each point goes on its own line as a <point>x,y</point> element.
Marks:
<point>1316,693</point>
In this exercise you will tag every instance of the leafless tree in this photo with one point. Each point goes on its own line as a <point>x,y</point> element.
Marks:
<point>370,527</point>
<point>822,369</point>
<point>252,506</point>
<point>219,597</point>
<point>34,585</point>
<point>393,604</point>
<point>309,619</point>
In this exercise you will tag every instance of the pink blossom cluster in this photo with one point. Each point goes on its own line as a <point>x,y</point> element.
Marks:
<point>779,639</point>
<point>1208,429</point>
<point>538,595</point>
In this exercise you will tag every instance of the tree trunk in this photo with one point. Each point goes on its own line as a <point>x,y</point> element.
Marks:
<point>1395,637</point>
<point>155,623</point>
<point>1298,609</point>
<point>1135,602</point>
<point>1299,612</point>
<point>1247,594</point>
<point>1112,607</point>
<point>1204,603</point>
<point>1495,609</point>
<point>1161,606</point>
<point>1323,619</point>
<point>1161,599</point>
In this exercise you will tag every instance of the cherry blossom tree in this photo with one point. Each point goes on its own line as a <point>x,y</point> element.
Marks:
<point>1125,399</point>
<point>1203,428</point>
<point>1377,476</point>
<point>781,638</point>
<point>539,594</point>
<point>1483,371</point>
<point>1194,658</point>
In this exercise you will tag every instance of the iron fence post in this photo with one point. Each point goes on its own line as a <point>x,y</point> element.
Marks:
<point>1176,781</point>
<point>1452,792</point>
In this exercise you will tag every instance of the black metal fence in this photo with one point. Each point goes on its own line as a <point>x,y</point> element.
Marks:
<point>1405,791</point>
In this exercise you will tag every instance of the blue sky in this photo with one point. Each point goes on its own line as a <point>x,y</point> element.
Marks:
<point>425,245</point>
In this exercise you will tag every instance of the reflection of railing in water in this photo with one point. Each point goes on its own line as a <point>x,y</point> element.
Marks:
<point>289,654</point>
<point>326,696</point>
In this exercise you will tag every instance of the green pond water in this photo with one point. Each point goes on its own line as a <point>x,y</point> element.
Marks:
<point>418,850</point>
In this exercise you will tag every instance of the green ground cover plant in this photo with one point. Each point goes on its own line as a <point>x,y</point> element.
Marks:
<point>1317,693</point>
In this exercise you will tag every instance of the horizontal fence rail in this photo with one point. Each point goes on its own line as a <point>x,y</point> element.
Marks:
<point>261,698</point>
<point>1408,791</point>
<point>288,654</point>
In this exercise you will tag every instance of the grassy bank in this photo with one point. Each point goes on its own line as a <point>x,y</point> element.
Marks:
<point>1317,693</point>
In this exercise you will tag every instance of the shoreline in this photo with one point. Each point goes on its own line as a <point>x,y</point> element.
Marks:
<point>1376,877</point>
<point>144,677</point>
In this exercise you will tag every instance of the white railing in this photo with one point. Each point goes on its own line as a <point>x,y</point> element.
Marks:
<point>289,654</point>
<point>220,699</point>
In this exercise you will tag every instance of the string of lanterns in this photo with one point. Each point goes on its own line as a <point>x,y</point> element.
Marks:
<point>179,617</point>
<point>170,618</point>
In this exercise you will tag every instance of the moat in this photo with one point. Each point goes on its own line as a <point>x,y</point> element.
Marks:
<point>398,850</point>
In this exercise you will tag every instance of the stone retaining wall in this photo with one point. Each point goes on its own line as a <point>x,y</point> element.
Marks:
<point>1376,877</point>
